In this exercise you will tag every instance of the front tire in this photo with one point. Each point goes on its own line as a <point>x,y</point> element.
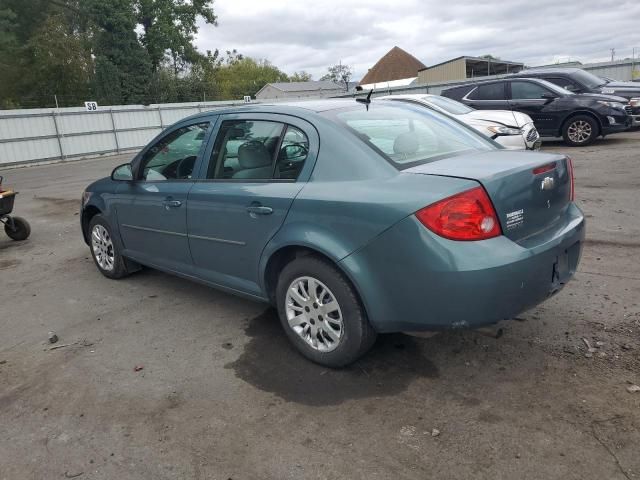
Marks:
<point>17,228</point>
<point>105,250</point>
<point>580,131</point>
<point>321,313</point>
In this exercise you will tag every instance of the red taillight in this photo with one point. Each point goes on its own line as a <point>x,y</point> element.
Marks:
<point>466,216</point>
<point>544,168</point>
<point>570,167</point>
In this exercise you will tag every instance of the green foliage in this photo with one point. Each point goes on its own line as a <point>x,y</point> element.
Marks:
<point>300,76</point>
<point>169,28</point>
<point>60,62</point>
<point>119,52</point>
<point>122,65</point>
<point>246,76</point>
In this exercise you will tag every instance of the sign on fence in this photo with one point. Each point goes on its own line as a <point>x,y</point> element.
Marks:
<point>91,106</point>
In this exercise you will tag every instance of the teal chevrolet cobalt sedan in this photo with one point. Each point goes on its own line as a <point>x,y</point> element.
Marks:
<point>352,219</point>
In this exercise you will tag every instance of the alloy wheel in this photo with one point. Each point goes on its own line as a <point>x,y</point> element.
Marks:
<point>102,247</point>
<point>579,131</point>
<point>314,314</point>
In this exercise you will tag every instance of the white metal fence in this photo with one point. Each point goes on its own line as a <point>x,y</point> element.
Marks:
<point>36,135</point>
<point>60,134</point>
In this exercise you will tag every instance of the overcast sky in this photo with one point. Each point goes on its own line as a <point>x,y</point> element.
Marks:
<point>310,35</point>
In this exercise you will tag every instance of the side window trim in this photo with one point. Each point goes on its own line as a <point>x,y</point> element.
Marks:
<point>276,151</point>
<point>504,92</point>
<point>306,127</point>
<point>208,153</point>
<point>139,160</point>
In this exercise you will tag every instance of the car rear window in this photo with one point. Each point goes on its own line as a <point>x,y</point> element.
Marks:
<point>407,135</point>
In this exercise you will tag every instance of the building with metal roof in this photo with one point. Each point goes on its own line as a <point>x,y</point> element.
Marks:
<point>315,89</point>
<point>462,68</point>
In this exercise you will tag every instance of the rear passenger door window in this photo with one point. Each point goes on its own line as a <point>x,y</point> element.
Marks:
<point>257,150</point>
<point>491,91</point>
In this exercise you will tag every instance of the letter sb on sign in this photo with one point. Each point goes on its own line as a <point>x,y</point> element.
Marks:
<point>91,106</point>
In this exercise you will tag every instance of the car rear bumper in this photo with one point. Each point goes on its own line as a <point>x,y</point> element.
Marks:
<point>412,280</point>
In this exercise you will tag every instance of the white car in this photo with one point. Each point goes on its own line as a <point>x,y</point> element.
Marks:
<point>512,130</point>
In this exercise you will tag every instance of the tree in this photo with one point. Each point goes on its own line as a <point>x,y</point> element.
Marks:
<point>338,73</point>
<point>245,76</point>
<point>300,76</point>
<point>60,62</point>
<point>8,48</point>
<point>122,65</point>
<point>169,27</point>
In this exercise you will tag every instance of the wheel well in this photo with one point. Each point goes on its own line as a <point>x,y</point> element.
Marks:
<point>587,114</point>
<point>87,214</point>
<point>280,259</point>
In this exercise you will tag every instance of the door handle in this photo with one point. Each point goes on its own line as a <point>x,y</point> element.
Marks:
<point>259,210</point>
<point>171,204</point>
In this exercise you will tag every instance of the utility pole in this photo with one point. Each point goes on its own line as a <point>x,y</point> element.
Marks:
<point>55,97</point>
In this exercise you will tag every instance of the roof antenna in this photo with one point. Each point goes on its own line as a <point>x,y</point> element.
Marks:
<point>367,100</point>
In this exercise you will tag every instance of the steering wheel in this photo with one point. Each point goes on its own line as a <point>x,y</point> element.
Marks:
<point>185,167</point>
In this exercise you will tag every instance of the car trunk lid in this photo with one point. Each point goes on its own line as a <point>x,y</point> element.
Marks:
<point>530,191</point>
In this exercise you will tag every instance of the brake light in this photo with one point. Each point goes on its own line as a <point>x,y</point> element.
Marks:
<point>544,168</point>
<point>570,167</point>
<point>466,216</point>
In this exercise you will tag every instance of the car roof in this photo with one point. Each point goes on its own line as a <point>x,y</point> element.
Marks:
<point>290,108</point>
<point>503,79</point>
<point>550,70</point>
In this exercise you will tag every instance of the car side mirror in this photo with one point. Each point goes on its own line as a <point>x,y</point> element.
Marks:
<point>122,173</point>
<point>549,97</point>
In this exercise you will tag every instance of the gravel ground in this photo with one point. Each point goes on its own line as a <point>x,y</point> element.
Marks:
<point>221,395</point>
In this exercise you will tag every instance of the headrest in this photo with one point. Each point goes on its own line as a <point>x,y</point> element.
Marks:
<point>253,154</point>
<point>406,143</point>
<point>234,133</point>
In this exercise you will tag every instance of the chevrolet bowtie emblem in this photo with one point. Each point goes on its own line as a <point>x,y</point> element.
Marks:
<point>547,184</point>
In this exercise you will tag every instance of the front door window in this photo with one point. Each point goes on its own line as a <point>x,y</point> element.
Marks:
<point>174,156</point>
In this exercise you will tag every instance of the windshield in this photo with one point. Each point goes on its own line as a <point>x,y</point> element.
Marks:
<point>448,105</point>
<point>587,79</point>
<point>408,135</point>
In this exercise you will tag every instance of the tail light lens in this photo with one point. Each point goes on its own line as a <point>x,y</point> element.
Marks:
<point>570,167</point>
<point>466,216</point>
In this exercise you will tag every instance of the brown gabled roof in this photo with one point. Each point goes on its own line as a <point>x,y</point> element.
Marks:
<point>395,65</point>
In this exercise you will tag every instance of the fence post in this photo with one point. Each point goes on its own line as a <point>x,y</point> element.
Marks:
<point>115,133</point>
<point>58,135</point>
<point>160,115</point>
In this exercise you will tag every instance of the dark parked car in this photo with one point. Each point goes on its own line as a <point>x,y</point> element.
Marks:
<point>577,80</point>
<point>351,219</point>
<point>578,118</point>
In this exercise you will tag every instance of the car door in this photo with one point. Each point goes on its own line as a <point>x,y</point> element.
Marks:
<point>255,167</point>
<point>488,96</point>
<point>528,97</point>
<point>152,209</point>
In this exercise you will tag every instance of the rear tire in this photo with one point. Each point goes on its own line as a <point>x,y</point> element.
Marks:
<point>105,251</point>
<point>20,231</point>
<point>321,313</point>
<point>580,131</point>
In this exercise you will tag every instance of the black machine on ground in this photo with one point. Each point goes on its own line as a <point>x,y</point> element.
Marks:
<point>17,228</point>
